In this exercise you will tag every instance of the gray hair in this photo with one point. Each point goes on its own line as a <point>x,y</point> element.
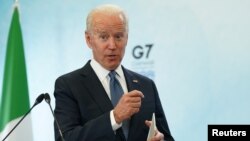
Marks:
<point>109,9</point>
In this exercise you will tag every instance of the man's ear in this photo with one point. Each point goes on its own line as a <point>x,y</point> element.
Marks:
<point>88,39</point>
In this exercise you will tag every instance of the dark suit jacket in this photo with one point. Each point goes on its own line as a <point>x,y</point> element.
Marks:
<point>83,108</point>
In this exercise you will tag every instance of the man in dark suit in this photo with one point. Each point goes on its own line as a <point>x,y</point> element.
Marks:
<point>85,106</point>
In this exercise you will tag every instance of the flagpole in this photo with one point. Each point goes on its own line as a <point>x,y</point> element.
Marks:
<point>16,3</point>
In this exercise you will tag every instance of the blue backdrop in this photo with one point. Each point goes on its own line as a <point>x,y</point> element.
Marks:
<point>197,51</point>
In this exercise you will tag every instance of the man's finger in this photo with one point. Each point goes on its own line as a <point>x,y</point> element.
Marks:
<point>148,123</point>
<point>135,93</point>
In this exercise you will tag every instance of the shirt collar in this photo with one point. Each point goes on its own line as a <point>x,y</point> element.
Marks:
<point>102,73</point>
<point>119,71</point>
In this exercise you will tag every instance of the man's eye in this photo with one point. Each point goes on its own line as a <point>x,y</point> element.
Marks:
<point>118,37</point>
<point>103,37</point>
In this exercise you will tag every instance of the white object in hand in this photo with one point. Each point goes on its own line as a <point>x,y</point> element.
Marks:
<point>152,128</point>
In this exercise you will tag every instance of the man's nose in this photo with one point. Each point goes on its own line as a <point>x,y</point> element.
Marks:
<point>112,44</point>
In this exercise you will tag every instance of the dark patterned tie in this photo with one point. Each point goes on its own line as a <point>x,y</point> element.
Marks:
<point>116,93</point>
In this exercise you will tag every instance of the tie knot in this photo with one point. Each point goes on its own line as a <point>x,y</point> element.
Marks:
<point>112,74</point>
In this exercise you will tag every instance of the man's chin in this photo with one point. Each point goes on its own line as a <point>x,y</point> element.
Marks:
<point>113,65</point>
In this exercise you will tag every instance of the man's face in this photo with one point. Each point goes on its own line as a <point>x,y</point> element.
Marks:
<point>107,38</point>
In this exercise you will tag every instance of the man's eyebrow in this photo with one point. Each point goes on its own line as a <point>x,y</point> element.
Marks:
<point>120,32</point>
<point>100,32</point>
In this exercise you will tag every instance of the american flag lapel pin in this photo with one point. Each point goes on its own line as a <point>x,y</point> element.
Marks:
<point>135,81</point>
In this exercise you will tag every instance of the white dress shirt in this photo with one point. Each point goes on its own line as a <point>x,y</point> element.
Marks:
<point>103,76</point>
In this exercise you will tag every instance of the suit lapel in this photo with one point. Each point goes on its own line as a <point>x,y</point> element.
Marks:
<point>132,84</point>
<point>96,89</point>
<point>131,80</point>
